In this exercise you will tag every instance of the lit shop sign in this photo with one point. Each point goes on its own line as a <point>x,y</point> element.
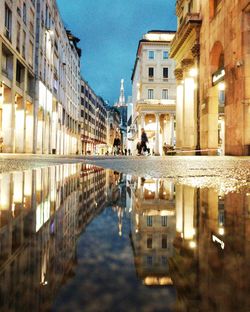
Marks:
<point>216,239</point>
<point>218,76</point>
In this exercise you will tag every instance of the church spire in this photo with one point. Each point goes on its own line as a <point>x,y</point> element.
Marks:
<point>122,96</point>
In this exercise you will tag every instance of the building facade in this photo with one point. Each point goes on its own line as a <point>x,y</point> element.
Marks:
<point>17,75</point>
<point>154,91</point>
<point>39,80</point>
<point>93,121</point>
<point>113,127</point>
<point>211,49</point>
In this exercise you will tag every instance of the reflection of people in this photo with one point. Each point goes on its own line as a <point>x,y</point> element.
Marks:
<point>144,140</point>
<point>116,145</point>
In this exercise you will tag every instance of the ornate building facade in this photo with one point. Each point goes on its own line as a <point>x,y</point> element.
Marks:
<point>154,91</point>
<point>212,73</point>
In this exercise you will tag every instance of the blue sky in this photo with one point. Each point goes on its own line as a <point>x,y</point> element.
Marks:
<point>109,31</point>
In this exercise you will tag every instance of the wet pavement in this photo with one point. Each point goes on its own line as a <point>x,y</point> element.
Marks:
<point>77,237</point>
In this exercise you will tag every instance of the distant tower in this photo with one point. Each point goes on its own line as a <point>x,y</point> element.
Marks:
<point>122,96</point>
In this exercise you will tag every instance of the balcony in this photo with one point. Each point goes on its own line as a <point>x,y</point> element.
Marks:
<point>190,22</point>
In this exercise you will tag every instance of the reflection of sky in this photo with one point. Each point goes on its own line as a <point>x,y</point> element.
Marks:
<point>105,277</point>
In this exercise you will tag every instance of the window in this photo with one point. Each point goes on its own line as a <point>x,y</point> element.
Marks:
<point>8,22</point>
<point>24,44</point>
<point>165,55</point>
<point>32,18</point>
<point>31,48</point>
<point>151,55</point>
<point>149,220</point>
<point>18,34</point>
<point>164,220</point>
<point>149,260</point>
<point>165,94</point>
<point>165,72</point>
<point>149,242</point>
<point>164,242</point>
<point>164,260</point>
<point>151,72</point>
<point>24,13</point>
<point>19,74</point>
<point>150,93</point>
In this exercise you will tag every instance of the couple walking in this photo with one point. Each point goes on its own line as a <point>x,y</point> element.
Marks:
<point>143,145</point>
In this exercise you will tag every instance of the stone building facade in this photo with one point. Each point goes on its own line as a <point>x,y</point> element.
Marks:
<point>211,49</point>
<point>39,80</point>
<point>93,121</point>
<point>17,75</point>
<point>154,91</point>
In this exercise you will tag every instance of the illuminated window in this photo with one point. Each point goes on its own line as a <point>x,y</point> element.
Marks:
<point>149,220</point>
<point>151,55</point>
<point>150,93</point>
<point>165,55</point>
<point>165,94</point>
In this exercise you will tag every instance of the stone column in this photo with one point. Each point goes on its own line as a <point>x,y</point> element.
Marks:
<point>179,107</point>
<point>172,129</point>
<point>189,106</point>
<point>157,135</point>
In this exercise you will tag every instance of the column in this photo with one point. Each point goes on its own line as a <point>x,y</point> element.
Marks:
<point>157,134</point>
<point>189,109</point>
<point>172,129</point>
<point>179,108</point>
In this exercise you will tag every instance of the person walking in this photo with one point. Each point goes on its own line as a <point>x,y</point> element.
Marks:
<point>144,141</point>
<point>116,145</point>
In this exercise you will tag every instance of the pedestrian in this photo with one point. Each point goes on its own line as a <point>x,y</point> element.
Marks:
<point>144,141</point>
<point>116,145</point>
<point>138,147</point>
<point>129,152</point>
<point>125,152</point>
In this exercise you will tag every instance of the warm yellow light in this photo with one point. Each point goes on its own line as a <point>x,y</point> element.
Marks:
<point>221,86</point>
<point>150,120</point>
<point>192,244</point>
<point>193,72</point>
<point>221,231</point>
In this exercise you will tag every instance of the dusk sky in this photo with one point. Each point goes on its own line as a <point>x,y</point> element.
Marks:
<point>109,31</point>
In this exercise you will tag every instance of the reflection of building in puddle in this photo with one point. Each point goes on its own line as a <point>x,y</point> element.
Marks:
<point>211,250</point>
<point>42,212</point>
<point>153,229</point>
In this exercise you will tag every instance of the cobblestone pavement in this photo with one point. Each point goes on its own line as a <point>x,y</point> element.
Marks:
<point>207,171</point>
